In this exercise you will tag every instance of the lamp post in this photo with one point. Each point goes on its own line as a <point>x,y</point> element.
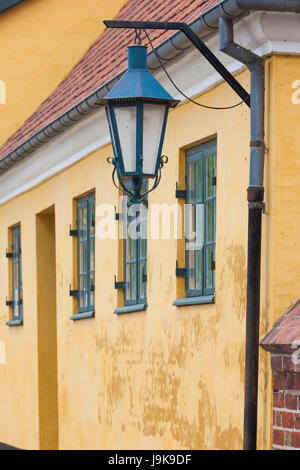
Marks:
<point>137,110</point>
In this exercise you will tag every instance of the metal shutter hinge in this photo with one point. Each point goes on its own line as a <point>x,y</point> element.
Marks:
<point>72,232</point>
<point>119,285</point>
<point>180,193</point>
<point>180,272</point>
<point>72,292</point>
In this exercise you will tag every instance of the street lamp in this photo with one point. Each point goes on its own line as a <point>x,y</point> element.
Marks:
<point>137,110</point>
<point>255,190</point>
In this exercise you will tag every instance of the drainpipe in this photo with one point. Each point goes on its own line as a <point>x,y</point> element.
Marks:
<point>255,208</point>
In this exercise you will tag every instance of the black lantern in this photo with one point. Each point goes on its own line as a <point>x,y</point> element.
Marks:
<point>137,110</point>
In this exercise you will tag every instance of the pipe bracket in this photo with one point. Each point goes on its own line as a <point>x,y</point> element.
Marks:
<point>255,194</point>
<point>257,205</point>
<point>257,143</point>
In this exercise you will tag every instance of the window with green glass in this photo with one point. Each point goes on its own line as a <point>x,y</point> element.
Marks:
<point>135,252</point>
<point>85,221</point>
<point>201,209</point>
<point>17,293</point>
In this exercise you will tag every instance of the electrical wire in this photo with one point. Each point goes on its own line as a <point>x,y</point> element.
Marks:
<point>178,89</point>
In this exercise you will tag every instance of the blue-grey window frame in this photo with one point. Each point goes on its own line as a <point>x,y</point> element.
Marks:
<point>16,284</point>
<point>88,309</point>
<point>194,154</point>
<point>140,276</point>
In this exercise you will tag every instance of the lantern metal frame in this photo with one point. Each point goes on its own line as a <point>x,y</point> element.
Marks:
<point>139,105</point>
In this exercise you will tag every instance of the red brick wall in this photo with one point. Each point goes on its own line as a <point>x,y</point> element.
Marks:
<point>286,402</point>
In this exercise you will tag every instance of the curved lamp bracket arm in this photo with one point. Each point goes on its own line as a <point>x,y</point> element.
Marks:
<point>136,196</point>
<point>116,169</point>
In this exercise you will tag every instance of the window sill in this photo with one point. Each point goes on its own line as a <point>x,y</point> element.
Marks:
<point>82,315</point>
<point>205,299</point>
<point>15,322</point>
<point>131,308</point>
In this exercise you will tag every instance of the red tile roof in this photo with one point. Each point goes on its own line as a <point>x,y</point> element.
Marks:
<point>106,57</point>
<point>285,332</point>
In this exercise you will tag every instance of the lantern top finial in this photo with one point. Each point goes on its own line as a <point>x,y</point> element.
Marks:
<point>137,57</point>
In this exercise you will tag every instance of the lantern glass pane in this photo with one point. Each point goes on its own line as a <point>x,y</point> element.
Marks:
<point>152,129</point>
<point>126,123</point>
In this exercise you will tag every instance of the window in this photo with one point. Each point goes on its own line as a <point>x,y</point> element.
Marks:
<point>85,221</point>
<point>201,220</point>
<point>201,189</point>
<point>135,254</point>
<point>16,303</point>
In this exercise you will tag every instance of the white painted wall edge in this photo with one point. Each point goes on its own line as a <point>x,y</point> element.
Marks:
<point>263,33</point>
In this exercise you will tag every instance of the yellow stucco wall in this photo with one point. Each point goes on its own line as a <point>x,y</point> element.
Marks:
<point>168,377</point>
<point>281,254</point>
<point>41,41</point>
<point>284,166</point>
<point>47,329</point>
